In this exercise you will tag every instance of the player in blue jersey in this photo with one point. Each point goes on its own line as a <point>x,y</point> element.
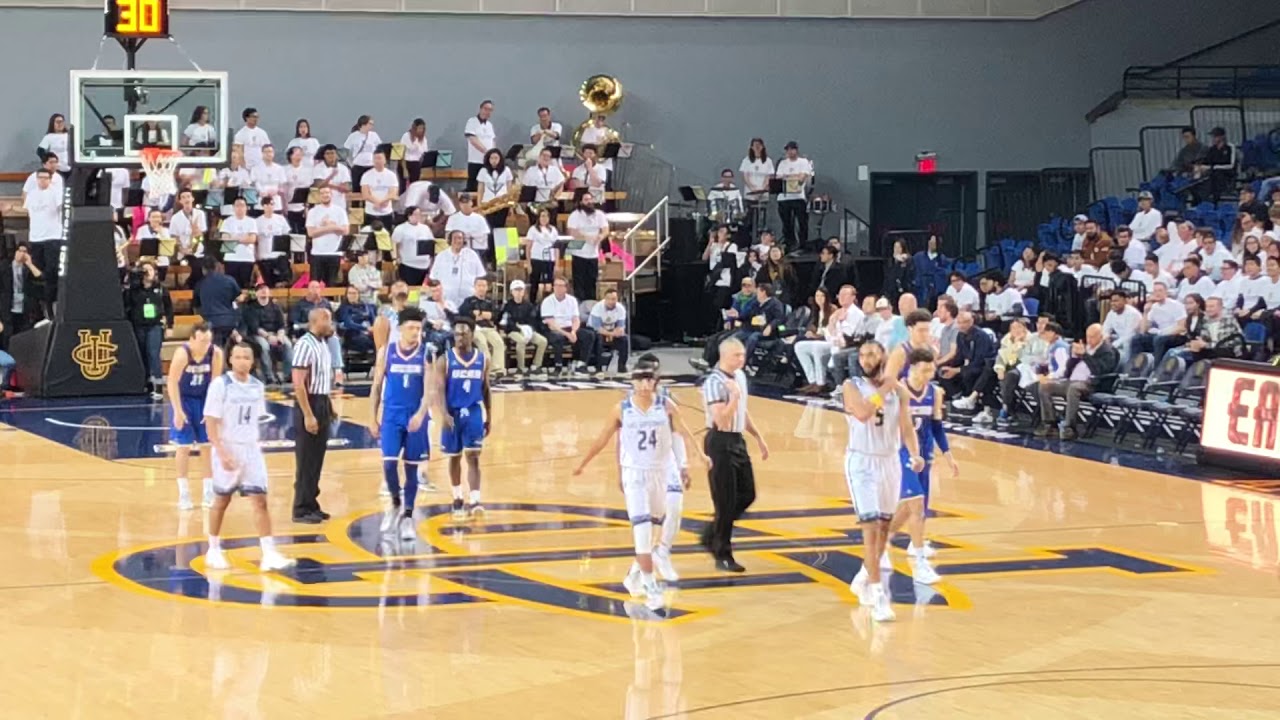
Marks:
<point>925,403</point>
<point>463,408</point>
<point>401,400</point>
<point>193,366</point>
<point>919,337</point>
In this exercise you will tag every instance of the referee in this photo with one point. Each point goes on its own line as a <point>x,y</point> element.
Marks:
<point>733,483</point>
<point>312,414</point>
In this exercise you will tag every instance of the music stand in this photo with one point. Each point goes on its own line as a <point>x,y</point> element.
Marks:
<point>200,198</point>
<point>300,196</point>
<point>777,186</point>
<point>430,160</point>
<point>149,247</point>
<point>282,243</point>
<point>611,151</point>
<point>425,247</point>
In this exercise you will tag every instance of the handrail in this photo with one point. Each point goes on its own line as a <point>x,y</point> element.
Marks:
<point>656,251</point>
<point>645,218</point>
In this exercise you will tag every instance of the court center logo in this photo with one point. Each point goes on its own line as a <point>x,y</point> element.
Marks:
<point>95,354</point>
<point>570,559</point>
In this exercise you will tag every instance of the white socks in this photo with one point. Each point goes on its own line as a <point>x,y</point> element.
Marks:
<point>671,523</point>
<point>215,542</point>
<point>183,486</point>
<point>267,543</point>
<point>475,497</point>
<point>457,492</point>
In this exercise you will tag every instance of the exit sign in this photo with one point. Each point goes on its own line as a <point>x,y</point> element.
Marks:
<point>927,162</point>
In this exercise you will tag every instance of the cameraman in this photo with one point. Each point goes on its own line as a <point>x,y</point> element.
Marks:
<point>150,311</point>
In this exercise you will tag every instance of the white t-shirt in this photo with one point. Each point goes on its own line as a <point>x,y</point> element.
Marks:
<point>146,233</point>
<point>1002,303</point>
<point>482,130</point>
<point>55,182</point>
<point>1203,286</point>
<point>380,183</point>
<point>253,140</point>
<point>310,146</point>
<point>270,180</point>
<point>457,273</point>
<point>56,143</point>
<point>792,167</point>
<point>755,175</point>
<point>493,185</point>
<point>548,142</point>
<point>183,228</point>
<point>1270,292</point>
<point>237,178</point>
<point>1023,276</point>
<point>1120,327</point>
<point>1229,291</point>
<point>1149,282</point>
<point>726,275</point>
<point>406,237</point>
<point>600,138</point>
<point>966,297</point>
<point>609,319</point>
<point>360,147</point>
<point>419,195</point>
<point>329,243</point>
<point>203,135</point>
<point>44,211</point>
<point>238,229</point>
<point>562,311</point>
<point>1145,224</point>
<point>1211,263</point>
<point>1162,318</point>
<point>300,176</point>
<point>1253,290</point>
<point>239,405</point>
<point>414,149</point>
<point>338,175</point>
<point>268,229</point>
<point>542,243</point>
<point>593,228</point>
<point>545,179</point>
<point>475,227</point>
<point>597,184</point>
<point>1135,254</point>
<point>119,183</point>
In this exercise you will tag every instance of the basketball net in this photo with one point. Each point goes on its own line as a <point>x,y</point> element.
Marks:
<point>161,165</point>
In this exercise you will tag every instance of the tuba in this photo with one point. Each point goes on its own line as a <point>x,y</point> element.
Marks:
<point>600,95</point>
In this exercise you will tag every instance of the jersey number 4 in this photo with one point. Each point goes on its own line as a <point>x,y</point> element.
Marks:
<point>246,415</point>
<point>648,440</point>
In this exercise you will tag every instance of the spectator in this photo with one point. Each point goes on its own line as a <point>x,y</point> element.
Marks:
<point>188,228</point>
<point>813,350</point>
<point>795,172</point>
<point>1249,203</point>
<point>1023,274</point>
<point>1153,274</point>
<point>298,175</point>
<point>474,227</point>
<point>1231,286</point>
<point>1000,303</point>
<point>300,313</point>
<point>439,312</point>
<point>1193,280</point>
<point>1158,329</point>
<point>944,331</point>
<point>742,306</point>
<point>327,224</point>
<point>44,205</point>
<point>1133,253</point>
<point>332,175</point>
<point>366,278</point>
<point>1181,243</point>
<point>1188,327</point>
<point>1078,225</point>
<point>234,175</point>
<point>898,272</point>
<point>302,139</point>
<point>1268,306</point>
<point>1122,324</point>
<point>542,253</point>
<point>1219,335</point>
<point>1251,290</point>
<point>1146,221</point>
<point>723,261</point>
<point>972,378</point>
<point>166,247</point>
<point>270,180</point>
<point>1189,156</point>
<point>589,227</point>
<point>769,314</point>
<point>930,266</point>
<point>1021,351</point>
<point>413,265</point>
<point>19,294</point>
<point>273,265</point>
<point>752,264</point>
<point>1212,253</point>
<point>457,268</point>
<point>1219,163</point>
<point>1096,250</point>
<point>562,324</point>
<point>380,188</point>
<point>479,308</point>
<point>1090,369</point>
<point>1246,238</point>
<point>828,275</point>
<point>252,138</point>
<point>360,146</point>
<point>1076,267</point>
<point>608,319</point>
<point>1058,290</point>
<point>851,329</point>
<point>965,297</point>
<point>778,275</point>
<point>215,299</point>
<point>387,323</point>
<point>354,321</point>
<point>519,320</point>
<point>263,324</point>
<point>150,311</point>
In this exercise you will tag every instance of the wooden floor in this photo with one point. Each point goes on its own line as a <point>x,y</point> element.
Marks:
<point>1073,589</point>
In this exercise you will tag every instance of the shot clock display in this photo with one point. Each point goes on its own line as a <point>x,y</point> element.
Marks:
<point>139,19</point>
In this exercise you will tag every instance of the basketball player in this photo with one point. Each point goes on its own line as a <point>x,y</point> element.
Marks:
<point>676,480</point>
<point>925,400</point>
<point>232,410</point>
<point>646,422</point>
<point>401,400</point>
<point>384,331</point>
<point>879,424</point>
<point>463,408</point>
<point>919,337</point>
<point>194,364</point>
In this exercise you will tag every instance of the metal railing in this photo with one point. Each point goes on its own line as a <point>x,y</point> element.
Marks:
<point>855,234</point>
<point>1206,81</point>
<point>660,217</point>
<point>1115,170</point>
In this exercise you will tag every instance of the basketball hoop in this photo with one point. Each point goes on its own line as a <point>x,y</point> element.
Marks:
<point>160,164</point>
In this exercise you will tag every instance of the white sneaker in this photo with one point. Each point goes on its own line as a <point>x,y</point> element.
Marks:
<point>964,403</point>
<point>859,585</point>
<point>634,584</point>
<point>927,552</point>
<point>881,610</point>
<point>653,595</point>
<point>184,500</point>
<point>923,573</point>
<point>273,560</point>
<point>408,528</point>
<point>662,563</point>
<point>383,492</point>
<point>215,559</point>
<point>207,501</point>
<point>984,418</point>
<point>389,518</point>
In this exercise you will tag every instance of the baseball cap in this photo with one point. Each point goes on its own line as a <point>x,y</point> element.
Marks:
<point>517,284</point>
<point>1144,195</point>
<point>883,303</point>
<point>1080,218</point>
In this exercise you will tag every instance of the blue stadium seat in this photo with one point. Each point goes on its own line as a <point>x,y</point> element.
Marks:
<point>992,258</point>
<point>1030,307</point>
<point>1255,339</point>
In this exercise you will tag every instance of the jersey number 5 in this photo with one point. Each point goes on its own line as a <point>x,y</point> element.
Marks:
<point>879,418</point>
<point>648,440</point>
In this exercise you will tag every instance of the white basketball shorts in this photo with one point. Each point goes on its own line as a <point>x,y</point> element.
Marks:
<point>250,476</point>
<point>643,491</point>
<point>875,483</point>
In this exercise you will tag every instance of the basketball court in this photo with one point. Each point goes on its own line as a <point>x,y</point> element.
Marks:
<point>1072,587</point>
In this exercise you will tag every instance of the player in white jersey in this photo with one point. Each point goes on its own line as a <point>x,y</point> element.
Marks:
<point>232,409</point>
<point>646,423</point>
<point>879,425</point>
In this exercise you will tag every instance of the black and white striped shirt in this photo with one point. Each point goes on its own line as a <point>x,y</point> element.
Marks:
<point>312,353</point>
<point>714,391</point>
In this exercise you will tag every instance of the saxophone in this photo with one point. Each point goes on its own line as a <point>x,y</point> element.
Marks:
<point>502,202</point>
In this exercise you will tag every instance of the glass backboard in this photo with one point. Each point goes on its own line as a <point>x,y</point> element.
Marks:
<point>116,113</point>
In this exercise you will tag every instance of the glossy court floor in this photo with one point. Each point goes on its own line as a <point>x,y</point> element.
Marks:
<point>1073,587</point>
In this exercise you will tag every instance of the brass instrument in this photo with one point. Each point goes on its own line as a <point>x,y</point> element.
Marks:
<point>502,202</point>
<point>600,95</point>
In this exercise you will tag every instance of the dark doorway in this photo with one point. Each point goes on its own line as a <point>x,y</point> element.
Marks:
<point>944,204</point>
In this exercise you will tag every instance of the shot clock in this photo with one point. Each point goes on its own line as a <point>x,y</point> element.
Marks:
<point>136,19</point>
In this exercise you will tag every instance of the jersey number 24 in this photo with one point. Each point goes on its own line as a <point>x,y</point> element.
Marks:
<point>648,440</point>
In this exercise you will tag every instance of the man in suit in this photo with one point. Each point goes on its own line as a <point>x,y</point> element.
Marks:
<point>1058,293</point>
<point>19,294</point>
<point>1090,369</point>
<point>829,274</point>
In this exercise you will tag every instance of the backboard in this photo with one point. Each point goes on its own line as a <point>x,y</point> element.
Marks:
<point>116,113</point>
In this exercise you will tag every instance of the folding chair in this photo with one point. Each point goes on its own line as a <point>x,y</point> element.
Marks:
<point>1189,393</point>
<point>1129,384</point>
<point>772,355</point>
<point>1160,385</point>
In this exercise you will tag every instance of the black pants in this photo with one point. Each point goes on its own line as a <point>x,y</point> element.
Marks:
<point>388,221</point>
<point>274,270</point>
<point>498,218</point>
<point>541,272</point>
<point>733,488</point>
<point>324,268</point>
<point>473,172</point>
<point>309,453</point>
<point>46,255</point>
<point>357,172</point>
<point>582,349</point>
<point>413,277</point>
<point>1009,390</point>
<point>242,273</point>
<point>585,273</point>
<point>297,222</point>
<point>621,346</point>
<point>793,213</point>
<point>410,172</point>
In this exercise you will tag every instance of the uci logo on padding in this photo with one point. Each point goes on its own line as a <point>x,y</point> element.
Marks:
<point>552,568</point>
<point>95,354</point>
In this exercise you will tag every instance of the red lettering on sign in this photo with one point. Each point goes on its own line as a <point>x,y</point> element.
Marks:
<point>1264,416</point>
<point>1238,409</point>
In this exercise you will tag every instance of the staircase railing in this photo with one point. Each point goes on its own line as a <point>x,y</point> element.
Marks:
<point>660,217</point>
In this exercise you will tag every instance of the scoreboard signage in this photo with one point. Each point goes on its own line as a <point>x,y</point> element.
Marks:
<point>138,19</point>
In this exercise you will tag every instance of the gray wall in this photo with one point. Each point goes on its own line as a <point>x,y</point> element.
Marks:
<point>985,95</point>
